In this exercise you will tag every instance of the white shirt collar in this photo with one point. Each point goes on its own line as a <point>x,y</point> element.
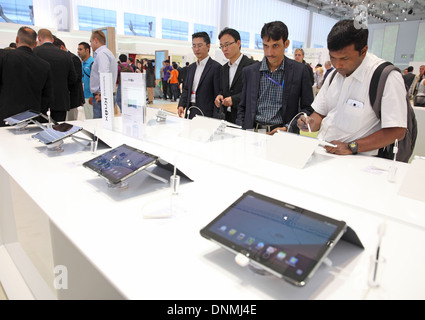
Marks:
<point>236,63</point>
<point>203,62</point>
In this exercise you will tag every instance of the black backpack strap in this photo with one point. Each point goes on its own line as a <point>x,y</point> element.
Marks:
<point>377,85</point>
<point>332,77</point>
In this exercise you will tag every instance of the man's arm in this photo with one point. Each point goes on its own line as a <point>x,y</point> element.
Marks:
<point>242,104</point>
<point>377,140</point>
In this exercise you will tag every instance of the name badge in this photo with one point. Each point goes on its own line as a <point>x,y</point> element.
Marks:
<point>355,104</point>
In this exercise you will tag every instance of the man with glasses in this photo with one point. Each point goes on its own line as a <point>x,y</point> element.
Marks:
<point>87,63</point>
<point>203,81</point>
<point>231,73</point>
<point>276,89</point>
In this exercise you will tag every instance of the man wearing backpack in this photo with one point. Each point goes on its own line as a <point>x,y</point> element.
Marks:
<point>343,111</point>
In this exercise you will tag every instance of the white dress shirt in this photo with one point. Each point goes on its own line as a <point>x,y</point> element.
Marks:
<point>104,62</point>
<point>200,66</point>
<point>346,106</point>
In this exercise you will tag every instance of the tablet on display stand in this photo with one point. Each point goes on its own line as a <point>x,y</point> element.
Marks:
<point>54,137</point>
<point>121,163</point>
<point>274,237</point>
<point>22,120</point>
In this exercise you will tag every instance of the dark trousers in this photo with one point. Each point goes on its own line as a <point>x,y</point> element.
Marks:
<point>175,90</point>
<point>166,90</point>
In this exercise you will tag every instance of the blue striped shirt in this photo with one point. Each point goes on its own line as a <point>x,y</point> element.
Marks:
<point>270,95</point>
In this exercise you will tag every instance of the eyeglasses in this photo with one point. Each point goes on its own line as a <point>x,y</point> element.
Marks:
<point>199,45</point>
<point>226,45</point>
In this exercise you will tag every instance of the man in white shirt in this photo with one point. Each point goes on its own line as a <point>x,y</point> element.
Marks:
<point>104,62</point>
<point>343,113</point>
<point>231,73</point>
<point>203,81</point>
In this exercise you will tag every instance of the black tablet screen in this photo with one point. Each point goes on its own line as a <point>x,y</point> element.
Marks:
<point>286,239</point>
<point>120,163</point>
<point>22,117</point>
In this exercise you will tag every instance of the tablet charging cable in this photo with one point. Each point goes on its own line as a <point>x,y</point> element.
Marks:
<point>392,171</point>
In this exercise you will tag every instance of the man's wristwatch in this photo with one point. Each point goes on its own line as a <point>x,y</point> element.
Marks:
<point>353,147</point>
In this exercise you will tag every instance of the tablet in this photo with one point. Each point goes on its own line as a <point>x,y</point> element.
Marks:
<point>287,241</point>
<point>22,117</point>
<point>121,163</point>
<point>56,133</point>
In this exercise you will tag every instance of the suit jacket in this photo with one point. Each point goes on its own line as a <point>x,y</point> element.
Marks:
<point>297,93</point>
<point>207,91</point>
<point>408,79</point>
<point>76,90</point>
<point>25,82</point>
<point>234,89</point>
<point>63,74</point>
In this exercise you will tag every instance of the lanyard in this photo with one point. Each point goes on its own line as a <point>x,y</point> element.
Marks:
<point>275,82</point>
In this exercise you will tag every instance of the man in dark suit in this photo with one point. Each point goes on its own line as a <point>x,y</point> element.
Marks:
<point>409,77</point>
<point>299,56</point>
<point>76,92</point>
<point>275,90</point>
<point>203,81</point>
<point>63,72</point>
<point>25,80</point>
<point>231,74</point>
<point>329,68</point>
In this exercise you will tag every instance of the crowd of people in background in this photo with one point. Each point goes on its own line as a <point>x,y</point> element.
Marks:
<point>259,95</point>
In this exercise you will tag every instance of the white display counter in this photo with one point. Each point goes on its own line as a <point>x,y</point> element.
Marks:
<point>69,236</point>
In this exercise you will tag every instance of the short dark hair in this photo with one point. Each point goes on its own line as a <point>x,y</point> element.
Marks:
<point>275,30</point>
<point>344,33</point>
<point>231,32</point>
<point>410,69</point>
<point>122,58</point>
<point>58,42</point>
<point>85,45</point>
<point>27,36</point>
<point>203,35</point>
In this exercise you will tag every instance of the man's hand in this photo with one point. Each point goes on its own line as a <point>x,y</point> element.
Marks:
<point>341,148</point>
<point>276,130</point>
<point>97,97</point>
<point>219,99</point>
<point>180,112</point>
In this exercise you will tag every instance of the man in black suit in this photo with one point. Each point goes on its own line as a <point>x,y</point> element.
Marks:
<point>76,91</point>
<point>25,80</point>
<point>276,89</point>
<point>299,56</point>
<point>409,77</point>
<point>231,73</point>
<point>63,72</point>
<point>203,81</point>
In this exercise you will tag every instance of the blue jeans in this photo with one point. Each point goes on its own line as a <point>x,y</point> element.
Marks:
<point>97,109</point>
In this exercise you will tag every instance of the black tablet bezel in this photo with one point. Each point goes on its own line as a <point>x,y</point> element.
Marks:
<point>271,264</point>
<point>36,115</point>
<point>113,180</point>
<point>67,135</point>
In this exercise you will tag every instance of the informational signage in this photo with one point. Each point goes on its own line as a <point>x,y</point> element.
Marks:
<point>108,103</point>
<point>133,93</point>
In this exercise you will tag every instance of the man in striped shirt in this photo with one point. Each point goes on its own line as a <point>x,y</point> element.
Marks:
<point>276,89</point>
